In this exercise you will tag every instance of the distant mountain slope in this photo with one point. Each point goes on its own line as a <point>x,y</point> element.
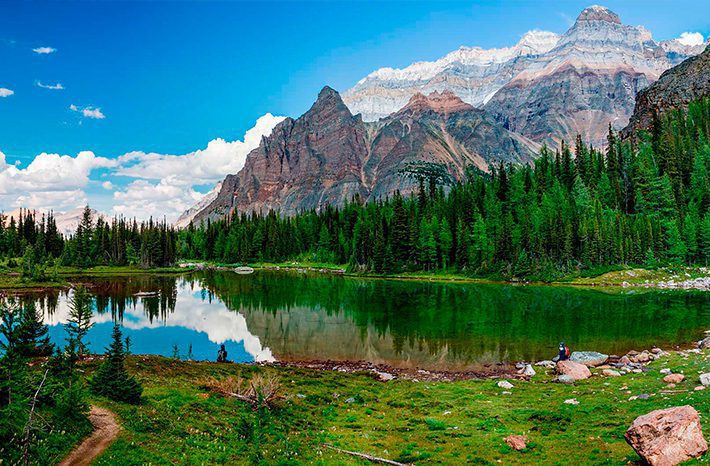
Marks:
<point>67,222</point>
<point>674,89</point>
<point>188,216</point>
<point>547,87</point>
<point>327,156</point>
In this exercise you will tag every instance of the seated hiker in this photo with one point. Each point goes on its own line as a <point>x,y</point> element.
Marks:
<point>222,354</point>
<point>564,352</point>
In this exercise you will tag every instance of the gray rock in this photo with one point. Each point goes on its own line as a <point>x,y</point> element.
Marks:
<point>589,358</point>
<point>704,343</point>
<point>665,371</point>
<point>566,379</point>
<point>546,363</point>
<point>505,384</point>
<point>705,379</point>
<point>528,371</point>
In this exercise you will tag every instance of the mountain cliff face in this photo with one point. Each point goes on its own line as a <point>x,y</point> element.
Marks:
<point>674,90</point>
<point>547,87</point>
<point>327,156</point>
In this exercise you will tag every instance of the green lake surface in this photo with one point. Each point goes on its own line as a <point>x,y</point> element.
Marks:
<point>277,315</point>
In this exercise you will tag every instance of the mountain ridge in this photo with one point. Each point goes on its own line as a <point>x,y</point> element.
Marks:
<point>599,61</point>
<point>328,156</point>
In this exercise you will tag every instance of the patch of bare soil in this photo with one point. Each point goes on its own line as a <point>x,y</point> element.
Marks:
<point>106,429</point>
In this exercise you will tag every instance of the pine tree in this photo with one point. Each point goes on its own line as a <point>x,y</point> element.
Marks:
<point>79,321</point>
<point>33,333</point>
<point>111,379</point>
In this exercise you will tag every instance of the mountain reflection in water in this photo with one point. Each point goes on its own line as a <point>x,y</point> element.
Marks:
<point>285,315</point>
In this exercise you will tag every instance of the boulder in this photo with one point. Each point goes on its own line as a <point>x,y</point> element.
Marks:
<point>589,358</point>
<point>528,371</point>
<point>624,361</point>
<point>505,384</point>
<point>674,378</point>
<point>517,442</point>
<point>705,379</point>
<point>574,369</point>
<point>611,373</point>
<point>704,343</point>
<point>667,437</point>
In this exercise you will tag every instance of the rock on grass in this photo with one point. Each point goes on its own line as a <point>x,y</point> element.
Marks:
<point>667,437</point>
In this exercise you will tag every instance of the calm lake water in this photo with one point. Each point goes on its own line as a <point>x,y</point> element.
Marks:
<point>292,316</point>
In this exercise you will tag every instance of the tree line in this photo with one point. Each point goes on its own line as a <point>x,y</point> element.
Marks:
<point>96,242</point>
<point>637,202</point>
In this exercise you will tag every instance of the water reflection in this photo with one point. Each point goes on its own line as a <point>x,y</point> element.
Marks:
<point>299,316</point>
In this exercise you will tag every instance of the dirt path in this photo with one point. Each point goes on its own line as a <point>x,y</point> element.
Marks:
<point>106,430</point>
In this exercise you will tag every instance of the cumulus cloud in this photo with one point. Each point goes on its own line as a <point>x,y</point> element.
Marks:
<point>4,92</point>
<point>202,166</point>
<point>50,181</point>
<point>88,112</point>
<point>165,184</point>
<point>691,39</point>
<point>54,87</point>
<point>161,185</point>
<point>166,198</point>
<point>44,50</point>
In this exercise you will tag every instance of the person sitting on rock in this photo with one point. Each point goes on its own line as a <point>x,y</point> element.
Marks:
<point>222,354</point>
<point>564,352</point>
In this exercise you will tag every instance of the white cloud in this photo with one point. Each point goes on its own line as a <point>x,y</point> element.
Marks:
<point>88,112</point>
<point>162,185</point>
<point>166,183</point>
<point>166,198</point>
<point>44,50</point>
<point>204,166</point>
<point>4,92</point>
<point>93,113</point>
<point>50,181</point>
<point>691,39</point>
<point>55,87</point>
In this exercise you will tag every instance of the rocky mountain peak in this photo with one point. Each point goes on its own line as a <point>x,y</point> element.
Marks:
<point>440,102</point>
<point>329,104</point>
<point>598,13</point>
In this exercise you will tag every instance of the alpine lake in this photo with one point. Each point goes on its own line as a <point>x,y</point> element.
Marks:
<point>297,316</point>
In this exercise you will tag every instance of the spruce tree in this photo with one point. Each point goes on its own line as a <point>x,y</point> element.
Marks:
<point>111,379</point>
<point>33,333</point>
<point>79,321</point>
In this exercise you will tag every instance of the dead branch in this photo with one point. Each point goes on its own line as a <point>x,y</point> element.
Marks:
<point>365,456</point>
<point>30,418</point>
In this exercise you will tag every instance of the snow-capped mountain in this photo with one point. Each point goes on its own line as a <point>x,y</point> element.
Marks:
<point>546,87</point>
<point>472,73</point>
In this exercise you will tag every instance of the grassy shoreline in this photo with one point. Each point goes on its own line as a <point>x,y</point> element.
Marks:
<point>403,420</point>
<point>618,277</point>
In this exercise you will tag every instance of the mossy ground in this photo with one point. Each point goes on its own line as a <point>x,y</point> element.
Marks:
<point>180,422</point>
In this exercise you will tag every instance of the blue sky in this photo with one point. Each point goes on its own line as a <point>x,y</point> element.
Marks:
<point>170,77</point>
